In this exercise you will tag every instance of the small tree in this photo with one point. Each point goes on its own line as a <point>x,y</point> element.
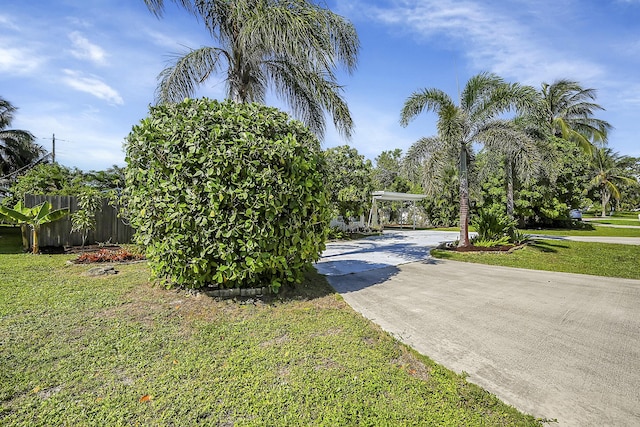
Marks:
<point>227,194</point>
<point>33,217</point>
<point>84,219</point>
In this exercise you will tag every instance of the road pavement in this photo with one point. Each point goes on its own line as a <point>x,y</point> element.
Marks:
<point>556,345</point>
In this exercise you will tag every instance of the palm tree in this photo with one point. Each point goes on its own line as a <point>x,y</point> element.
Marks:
<point>610,170</point>
<point>522,149</point>
<point>483,99</point>
<point>17,147</point>
<point>157,6</point>
<point>291,46</point>
<point>568,112</point>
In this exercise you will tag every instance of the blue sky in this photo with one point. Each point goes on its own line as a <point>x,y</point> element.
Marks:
<point>86,69</point>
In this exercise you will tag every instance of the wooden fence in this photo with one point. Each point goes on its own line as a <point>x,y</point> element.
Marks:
<point>109,228</point>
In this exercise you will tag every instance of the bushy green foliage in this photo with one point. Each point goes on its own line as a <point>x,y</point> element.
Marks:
<point>335,233</point>
<point>495,228</point>
<point>55,179</point>
<point>225,193</point>
<point>46,179</point>
<point>348,181</point>
<point>491,224</point>
<point>548,199</point>
<point>502,241</point>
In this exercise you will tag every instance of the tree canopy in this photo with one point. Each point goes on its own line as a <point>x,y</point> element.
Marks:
<point>18,149</point>
<point>473,121</point>
<point>292,47</point>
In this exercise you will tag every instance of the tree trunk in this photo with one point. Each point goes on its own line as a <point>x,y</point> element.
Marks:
<point>24,232</point>
<point>36,247</point>
<point>605,196</point>
<point>510,203</point>
<point>464,201</point>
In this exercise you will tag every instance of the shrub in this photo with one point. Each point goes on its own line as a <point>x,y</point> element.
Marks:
<point>495,229</point>
<point>492,224</point>
<point>481,243</point>
<point>84,219</point>
<point>335,233</point>
<point>227,194</point>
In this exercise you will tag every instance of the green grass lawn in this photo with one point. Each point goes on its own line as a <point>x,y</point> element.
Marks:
<point>598,259</point>
<point>597,231</point>
<point>616,214</point>
<point>116,351</point>
<point>615,221</point>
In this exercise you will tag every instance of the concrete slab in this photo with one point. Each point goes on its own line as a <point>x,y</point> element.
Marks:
<point>390,249</point>
<point>555,345</point>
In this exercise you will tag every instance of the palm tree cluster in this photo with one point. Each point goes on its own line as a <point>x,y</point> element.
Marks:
<point>522,144</point>
<point>290,46</point>
<point>475,120</point>
<point>609,170</point>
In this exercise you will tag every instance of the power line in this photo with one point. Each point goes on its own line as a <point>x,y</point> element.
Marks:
<point>30,165</point>
<point>53,146</point>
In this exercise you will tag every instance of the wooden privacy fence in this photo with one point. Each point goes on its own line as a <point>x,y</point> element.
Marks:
<point>109,228</point>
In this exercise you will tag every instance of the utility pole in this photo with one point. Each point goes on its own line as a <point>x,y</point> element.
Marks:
<point>53,149</point>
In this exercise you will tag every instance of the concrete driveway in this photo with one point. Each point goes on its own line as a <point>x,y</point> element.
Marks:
<point>556,345</point>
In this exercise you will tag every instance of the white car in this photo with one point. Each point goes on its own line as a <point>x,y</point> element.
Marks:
<point>575,214</point>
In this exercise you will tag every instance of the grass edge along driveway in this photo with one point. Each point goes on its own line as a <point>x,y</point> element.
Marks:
<point>598,259</point>
<point>117,351</point>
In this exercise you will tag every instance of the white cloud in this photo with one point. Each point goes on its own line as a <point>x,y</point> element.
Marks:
<point>8,22</point>
<point>18,61</point>
<point>93,86</point>
<point>84,49</point>
<point>492,39</point>
<point>163,40</point>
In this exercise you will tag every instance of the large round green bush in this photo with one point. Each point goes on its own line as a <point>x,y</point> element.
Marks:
<point>226,194</point>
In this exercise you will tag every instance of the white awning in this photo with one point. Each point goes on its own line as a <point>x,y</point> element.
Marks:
<point>392,196</point>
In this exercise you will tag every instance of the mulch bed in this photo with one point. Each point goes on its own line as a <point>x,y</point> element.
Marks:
<point>76,249</point>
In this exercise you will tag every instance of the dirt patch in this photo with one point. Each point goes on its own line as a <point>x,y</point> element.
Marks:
<point>408,362</point>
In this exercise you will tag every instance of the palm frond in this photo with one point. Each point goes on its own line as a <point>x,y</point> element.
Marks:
<point>429,99</point>
<point>157,6</point>
<point>430,159</point>
<point>514,144</point>
<point>6,113</point>
<point>302,32</point>
<point>180,80</point>
<point>476,95</point>
<point>309,93</point>
<point>569,106</point>
<point>257,40</point>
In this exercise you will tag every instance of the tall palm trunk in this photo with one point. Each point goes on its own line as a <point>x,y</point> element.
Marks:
<point>605,196</point>
<point>509,177</point>
<point>464,201</point>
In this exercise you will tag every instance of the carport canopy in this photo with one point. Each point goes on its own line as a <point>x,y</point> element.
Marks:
<point>397,197</point>
<point>390,196</point>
